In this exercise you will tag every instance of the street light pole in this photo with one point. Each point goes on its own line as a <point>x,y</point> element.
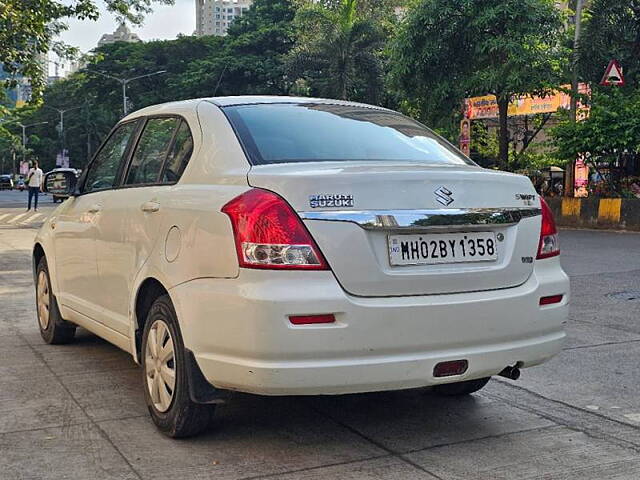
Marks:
<point>124,82</point>
<point>24,137</point>
<point>570,169</point>
<point>576,57</point>
<point>124,99</point>
<point>62,111</point>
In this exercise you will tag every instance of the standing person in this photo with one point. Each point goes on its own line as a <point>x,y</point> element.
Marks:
<point>34,182</point>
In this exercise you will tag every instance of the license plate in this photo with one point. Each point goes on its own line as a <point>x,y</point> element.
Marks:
<point>442,248</point>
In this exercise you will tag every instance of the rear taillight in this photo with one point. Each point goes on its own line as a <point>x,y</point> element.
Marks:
<point>549,245</point>
<point>269,234</point>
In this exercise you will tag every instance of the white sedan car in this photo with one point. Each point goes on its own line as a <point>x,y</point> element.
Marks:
<point>297,246</point>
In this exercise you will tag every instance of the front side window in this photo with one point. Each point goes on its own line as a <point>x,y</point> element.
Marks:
<point>152,149</point>
<point>179,154</point>
<point>307,132</point>
<point>103,171</point>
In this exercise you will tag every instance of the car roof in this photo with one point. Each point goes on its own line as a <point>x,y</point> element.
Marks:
<point>168,108</point>
<point>258,99</point>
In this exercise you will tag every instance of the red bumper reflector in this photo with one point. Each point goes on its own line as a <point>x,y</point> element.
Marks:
<point>311,319</point>
<point>551,299</point>
<point>454,367</point>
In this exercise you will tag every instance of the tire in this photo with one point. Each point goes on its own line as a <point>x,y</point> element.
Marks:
<point>53,328</point>
<point>460,388</point>
<point>178,416</point>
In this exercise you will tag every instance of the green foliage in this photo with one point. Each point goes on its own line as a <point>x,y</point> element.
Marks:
<point>612,127</point>
<point>447,50</point>
<point>612,30</point>
<point>28,29</point>
<point>484,151</point>
<point>10,144</point>
<point>249,60</point>
<point>338,51</point>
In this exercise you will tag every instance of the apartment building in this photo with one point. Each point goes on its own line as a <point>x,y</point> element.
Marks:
<point>213,17</point>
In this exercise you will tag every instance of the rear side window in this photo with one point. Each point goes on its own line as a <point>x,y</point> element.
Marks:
<point>306,132</point>
<point>179,154</point>
<point>103,171</point>
<point>151,152</point>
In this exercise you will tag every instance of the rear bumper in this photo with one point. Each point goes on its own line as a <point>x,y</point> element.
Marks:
<point>239,332</point>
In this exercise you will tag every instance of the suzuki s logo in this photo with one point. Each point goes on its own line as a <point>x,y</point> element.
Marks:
<point>443,196</point>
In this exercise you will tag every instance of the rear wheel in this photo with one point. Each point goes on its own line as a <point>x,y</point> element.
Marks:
<point>165,376</point>
<point>461,388</point>
<point>53,328</point>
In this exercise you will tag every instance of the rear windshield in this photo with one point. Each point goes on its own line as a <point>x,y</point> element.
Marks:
<point>288,133</point>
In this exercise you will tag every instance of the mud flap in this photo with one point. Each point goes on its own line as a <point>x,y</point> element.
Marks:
<point>200,390</point>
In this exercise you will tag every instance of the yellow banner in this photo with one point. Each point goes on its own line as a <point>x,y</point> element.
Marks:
<point>487,106</point>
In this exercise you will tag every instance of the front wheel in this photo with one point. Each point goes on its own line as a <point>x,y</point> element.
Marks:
<point>53,328</point>
<point>461,388</point>
<point>165,376</point>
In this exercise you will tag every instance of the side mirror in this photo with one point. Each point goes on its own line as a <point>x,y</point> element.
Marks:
<point>60,184</point>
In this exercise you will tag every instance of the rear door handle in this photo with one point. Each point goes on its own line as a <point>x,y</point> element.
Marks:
<point>95,208</point>
<point>150,207</point>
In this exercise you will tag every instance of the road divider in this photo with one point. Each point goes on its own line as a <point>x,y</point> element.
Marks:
<point>606,213</point>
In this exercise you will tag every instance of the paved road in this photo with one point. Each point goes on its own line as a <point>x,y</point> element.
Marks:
<point>77,411</point>
<point>18,199</point>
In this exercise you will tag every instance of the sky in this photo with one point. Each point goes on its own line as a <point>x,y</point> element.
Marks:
<point>166,22</point>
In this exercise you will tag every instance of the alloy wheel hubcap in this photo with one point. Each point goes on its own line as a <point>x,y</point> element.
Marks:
<point>43,300</point>
<point>160,366</point>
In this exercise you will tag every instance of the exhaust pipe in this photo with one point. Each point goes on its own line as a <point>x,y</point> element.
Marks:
<point>512,373</point>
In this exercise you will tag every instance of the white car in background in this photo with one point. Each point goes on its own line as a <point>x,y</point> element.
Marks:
<point>297,246</point>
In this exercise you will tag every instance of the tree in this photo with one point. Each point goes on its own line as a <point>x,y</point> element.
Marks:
<point>609,135</point>
<point>10,146</point>
<point>338,51</point>
<point>28,29</point>
<point>612,30</point>
<point>611,132</point>
<point>447,50</point>
<point>250,59</point>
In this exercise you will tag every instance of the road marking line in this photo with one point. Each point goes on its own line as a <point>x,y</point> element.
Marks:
<point>31,220</point>
<point>15,219</point>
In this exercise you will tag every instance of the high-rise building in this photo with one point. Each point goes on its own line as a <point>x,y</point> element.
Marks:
<point>121,34</point>
<point>213,17</point>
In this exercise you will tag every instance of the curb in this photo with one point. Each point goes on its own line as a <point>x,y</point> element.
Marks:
<point>603,213</point>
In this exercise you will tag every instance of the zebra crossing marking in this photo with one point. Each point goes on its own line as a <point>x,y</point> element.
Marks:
<point>15,219</point>
<point>23,219</point>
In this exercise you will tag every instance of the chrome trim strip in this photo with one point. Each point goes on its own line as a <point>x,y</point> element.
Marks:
<point>422,219</point>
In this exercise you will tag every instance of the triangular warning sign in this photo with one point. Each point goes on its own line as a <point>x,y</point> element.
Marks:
<point>613,75</point>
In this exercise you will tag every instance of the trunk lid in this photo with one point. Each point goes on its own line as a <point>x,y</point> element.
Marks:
<point>359,205</point>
